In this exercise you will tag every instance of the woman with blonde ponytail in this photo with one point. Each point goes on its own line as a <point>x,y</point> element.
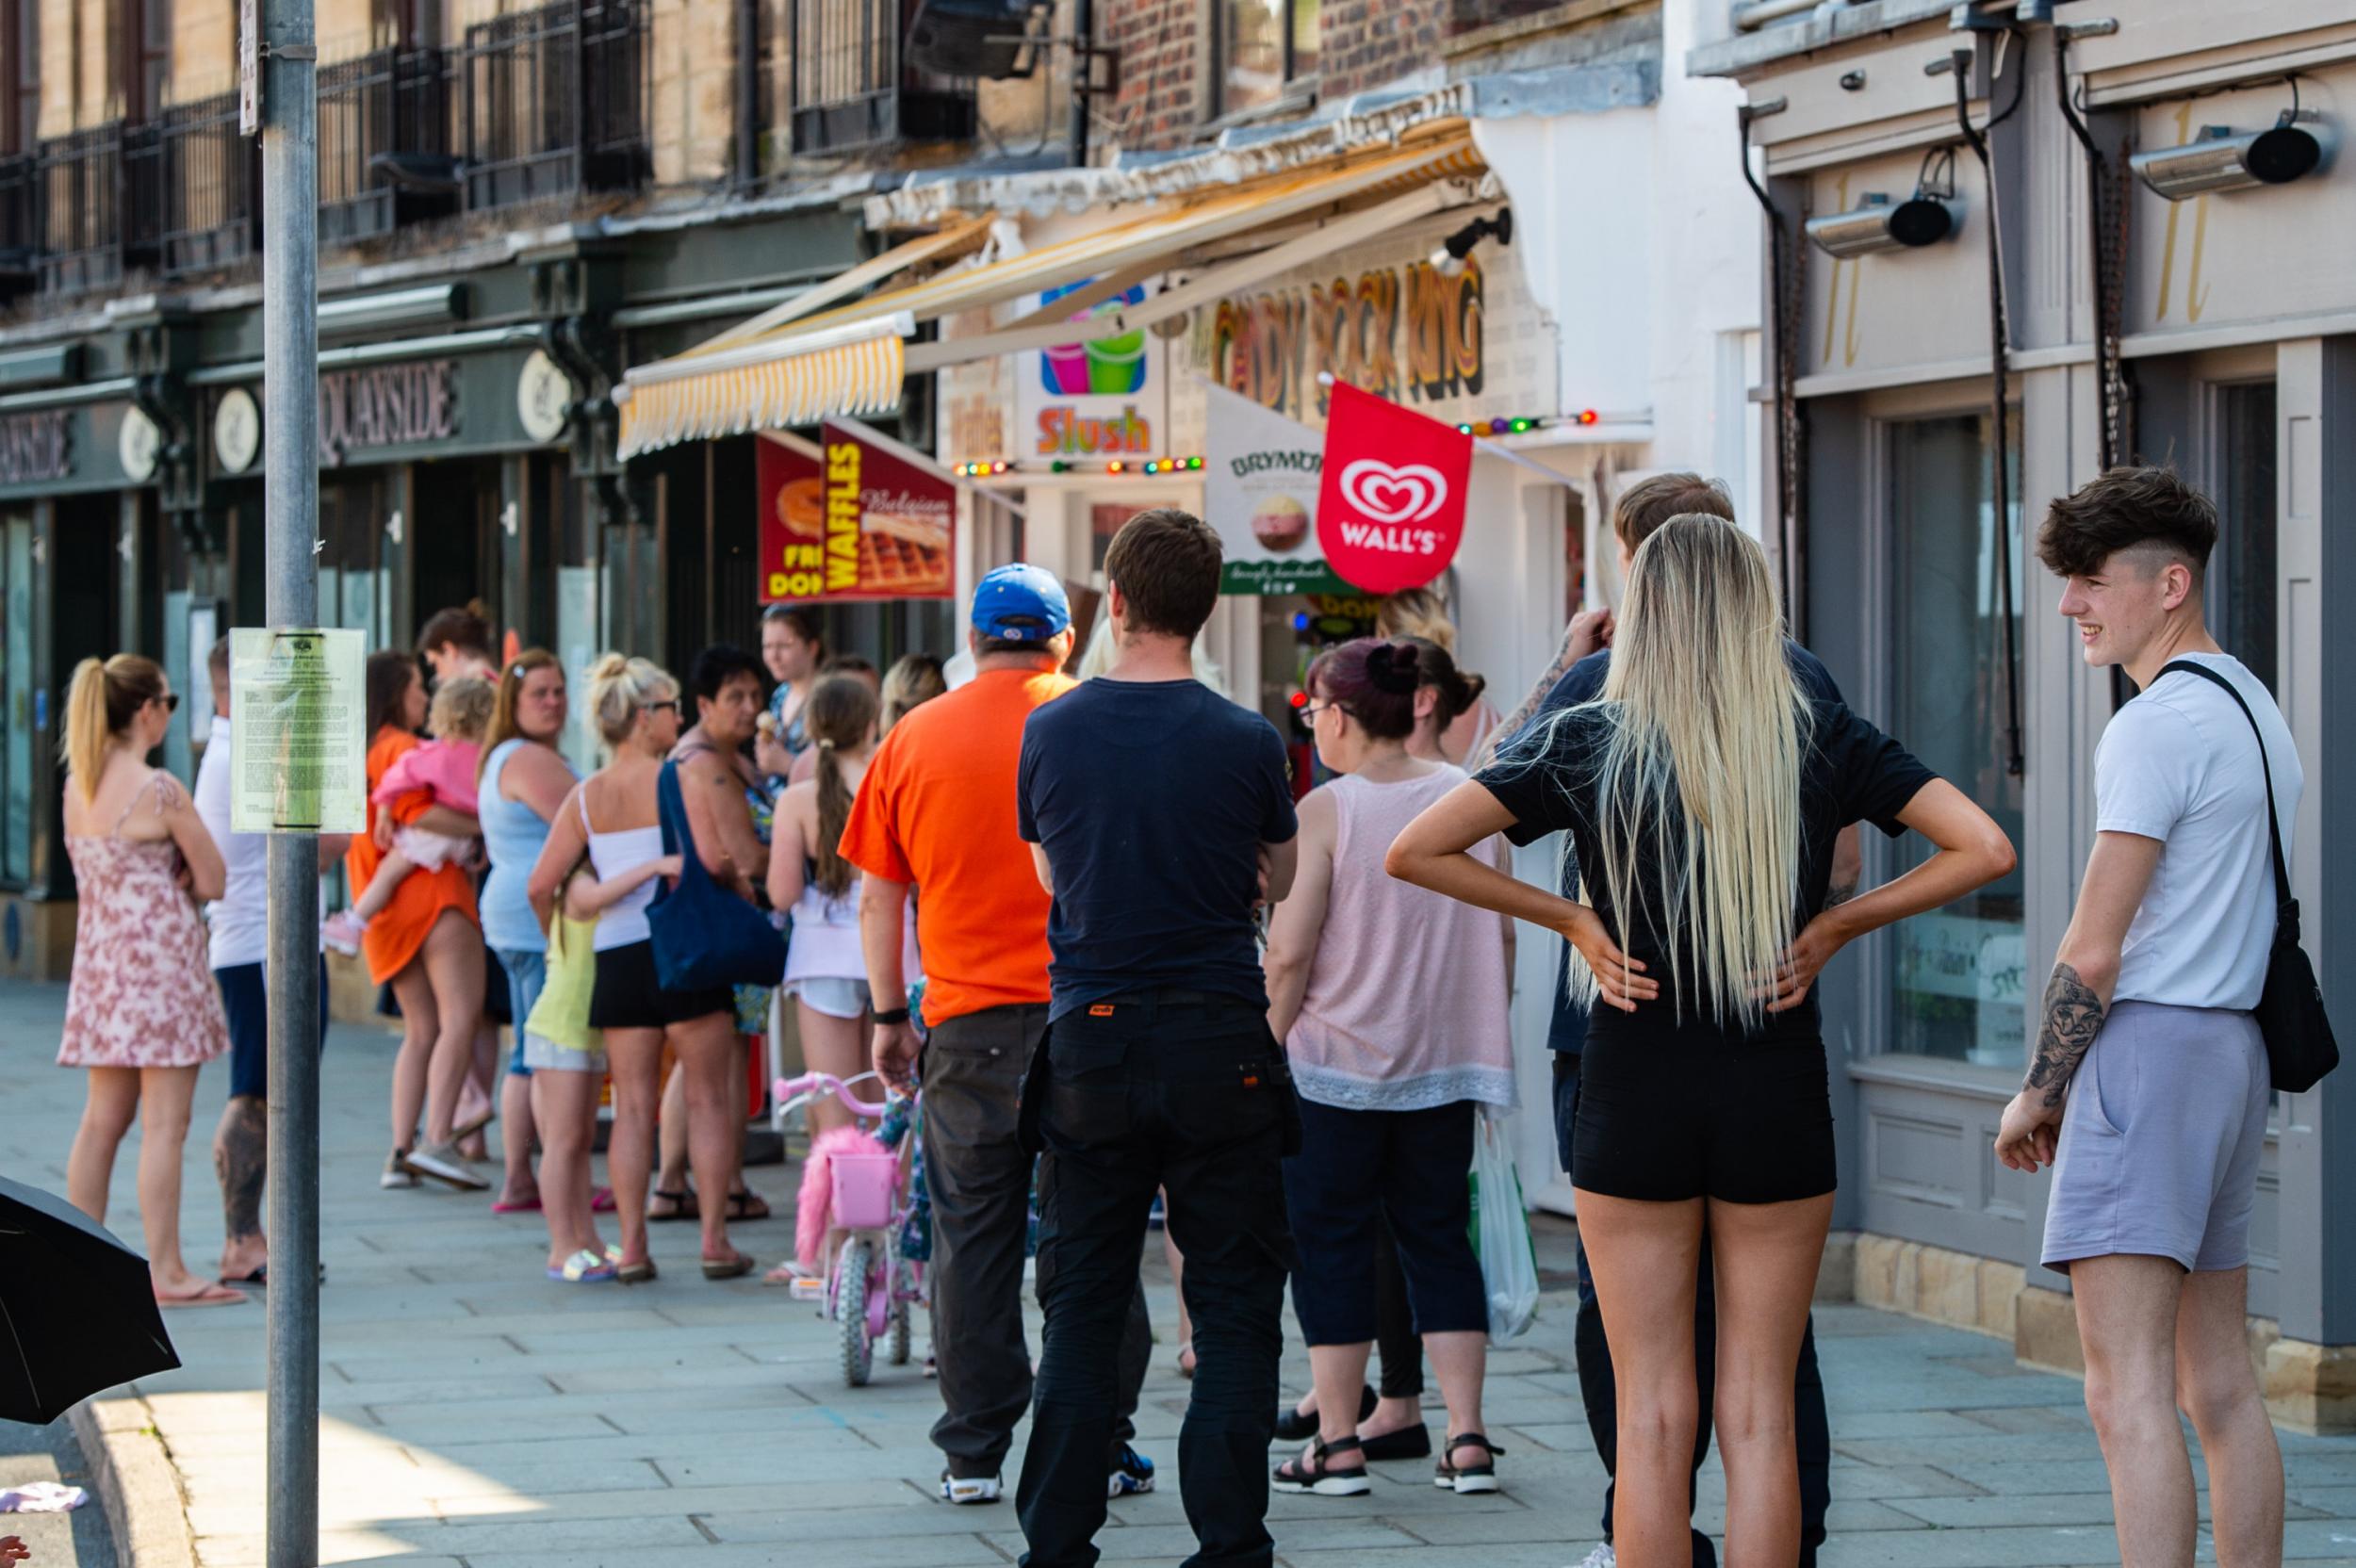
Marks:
<point>1702,791</point>
<point>825,970</point>
<point>142,1014</point>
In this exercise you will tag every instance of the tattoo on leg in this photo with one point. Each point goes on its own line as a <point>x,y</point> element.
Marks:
<point>2073,1016</point>
<point>240,1157</point>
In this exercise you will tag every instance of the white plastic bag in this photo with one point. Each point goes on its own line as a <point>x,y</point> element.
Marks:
<point>1500,1229</point>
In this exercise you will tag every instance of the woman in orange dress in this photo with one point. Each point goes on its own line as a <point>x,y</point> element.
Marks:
<point>427,944</point>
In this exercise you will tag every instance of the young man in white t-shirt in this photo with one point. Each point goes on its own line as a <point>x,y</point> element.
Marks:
<point>2149,1090</point>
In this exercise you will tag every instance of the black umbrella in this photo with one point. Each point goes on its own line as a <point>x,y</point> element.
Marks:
<point>78,1309</point>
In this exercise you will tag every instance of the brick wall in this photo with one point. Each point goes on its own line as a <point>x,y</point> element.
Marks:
<point>1162,46</point>
<point>692,113</point>
<point>1367,43</point>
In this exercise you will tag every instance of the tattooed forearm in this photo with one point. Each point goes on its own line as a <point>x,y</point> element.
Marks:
<point>1839,893</point>
<point>2073,1016</point>
<point>1513,724</point>
<point>241,1159</point>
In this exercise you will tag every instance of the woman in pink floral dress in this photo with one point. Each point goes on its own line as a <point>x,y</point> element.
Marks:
<point>142,1014</point>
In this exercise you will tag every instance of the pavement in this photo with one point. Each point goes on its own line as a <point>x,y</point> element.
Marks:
<point>476,1415</point>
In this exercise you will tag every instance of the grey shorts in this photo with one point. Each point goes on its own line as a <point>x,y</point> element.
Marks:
<point>541,1055</point>
<point>2161,1140</point>
<point>835,998</point>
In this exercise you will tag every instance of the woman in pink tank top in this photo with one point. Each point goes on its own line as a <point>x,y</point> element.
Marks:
<point>1392,1007</point>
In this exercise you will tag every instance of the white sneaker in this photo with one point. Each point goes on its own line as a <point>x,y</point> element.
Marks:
<point>442,1163</point>
<point>1600,1558</point>
<point>969,1489</point>
<point>396,1174</point>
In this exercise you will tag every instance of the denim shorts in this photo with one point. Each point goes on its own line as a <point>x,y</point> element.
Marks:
<point>527,971</point>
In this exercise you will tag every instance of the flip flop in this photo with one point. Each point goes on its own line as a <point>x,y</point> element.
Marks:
<point>747,1205</point>
<point>468,1129</point>
<point>601,1200</point>
<point>585,1268</point>
<point>259,1278</point>
<point>209,1293</point>
<point>730,1268</point>
<point>503,1206</point>
<point>682,1206</point>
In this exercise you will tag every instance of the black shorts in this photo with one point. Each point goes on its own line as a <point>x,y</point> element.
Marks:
<point>1668,1114</point>
<point>628,996</point>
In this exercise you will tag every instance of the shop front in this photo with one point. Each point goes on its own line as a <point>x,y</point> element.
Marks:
<point>2141,321</point>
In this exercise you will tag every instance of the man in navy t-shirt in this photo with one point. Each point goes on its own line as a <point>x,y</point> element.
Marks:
<point>1577,675</point>
<point>1160,817</point>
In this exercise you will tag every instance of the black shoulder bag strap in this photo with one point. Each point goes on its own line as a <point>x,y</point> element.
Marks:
<point>2290,1015</point>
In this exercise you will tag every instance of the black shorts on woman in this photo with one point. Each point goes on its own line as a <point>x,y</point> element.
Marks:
<point>1675,1103</point>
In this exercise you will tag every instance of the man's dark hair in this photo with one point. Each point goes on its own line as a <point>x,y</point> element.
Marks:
<point>1644,506</point>
<point>1167,563</point>
<point>463,628</point>
<point>1035,647</point>
<point>721,663</point>
<point>2123,509</point>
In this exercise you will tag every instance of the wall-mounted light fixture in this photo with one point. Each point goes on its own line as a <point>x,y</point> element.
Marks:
<point>1924,217</point>
<point>1448,260</point>
<point>2217,159</point>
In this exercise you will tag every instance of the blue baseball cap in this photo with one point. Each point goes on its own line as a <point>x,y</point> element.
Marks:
<point>1021,603</point>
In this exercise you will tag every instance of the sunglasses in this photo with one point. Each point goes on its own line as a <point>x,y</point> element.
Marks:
<point>171,701</point>
<point>671,703</point>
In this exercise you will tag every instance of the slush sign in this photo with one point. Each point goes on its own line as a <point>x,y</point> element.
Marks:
<point>1095,396</point>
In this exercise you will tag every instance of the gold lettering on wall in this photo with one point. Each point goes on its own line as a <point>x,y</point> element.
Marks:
<point>1272,348</point>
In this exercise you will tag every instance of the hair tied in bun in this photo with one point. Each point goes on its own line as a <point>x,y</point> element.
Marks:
<point>1391,668</point>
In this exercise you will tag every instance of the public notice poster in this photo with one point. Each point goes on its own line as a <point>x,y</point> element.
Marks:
<point>857,517</point>
<point>298,717</point>
<point>1260,477</point>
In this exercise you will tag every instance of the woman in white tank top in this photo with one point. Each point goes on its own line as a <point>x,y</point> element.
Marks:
<point>1392,1008</point>
<point>613,820</point>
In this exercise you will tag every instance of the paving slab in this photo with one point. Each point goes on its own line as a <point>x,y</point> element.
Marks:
<point>476,1415</point>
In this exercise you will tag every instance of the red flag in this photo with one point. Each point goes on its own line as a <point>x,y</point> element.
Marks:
<point>1391,503</point>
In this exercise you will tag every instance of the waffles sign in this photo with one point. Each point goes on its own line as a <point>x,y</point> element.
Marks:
<point>857,517</point>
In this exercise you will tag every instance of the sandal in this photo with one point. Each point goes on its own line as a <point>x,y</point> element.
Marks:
<point>1469,1480</point>
<point>635,1273</point>
<point>601,1200</point>
<point>584,1267</point>
<point>1319,1478</point>
<point>1295,1425</point>
<point>683,1205</point>
<point>208,1293</point>
<point>734,1266</point>
<point>747,1205</point>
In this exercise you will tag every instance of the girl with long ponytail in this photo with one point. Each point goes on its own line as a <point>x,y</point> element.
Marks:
<point>142,1014</point>
<point>1702,791</point>
<point>824,968</point>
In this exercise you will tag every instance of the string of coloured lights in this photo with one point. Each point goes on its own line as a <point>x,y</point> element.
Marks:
<point>1158,467</point>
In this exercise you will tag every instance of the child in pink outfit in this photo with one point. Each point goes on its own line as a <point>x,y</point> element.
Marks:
<point>443,772</point>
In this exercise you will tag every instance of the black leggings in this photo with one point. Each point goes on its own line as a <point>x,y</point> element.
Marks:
<point>1395,1334</point>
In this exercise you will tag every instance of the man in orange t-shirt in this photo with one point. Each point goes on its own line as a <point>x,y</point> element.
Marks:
<point>936,812</point>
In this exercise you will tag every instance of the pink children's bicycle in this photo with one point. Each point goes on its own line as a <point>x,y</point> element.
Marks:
<point>869,1289</point>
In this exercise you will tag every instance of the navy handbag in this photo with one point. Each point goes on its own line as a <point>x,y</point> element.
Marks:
<point>704,935</point>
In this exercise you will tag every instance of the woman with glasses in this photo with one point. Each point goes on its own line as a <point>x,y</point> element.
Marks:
<point>613,818</point>
<point>142,1014</point>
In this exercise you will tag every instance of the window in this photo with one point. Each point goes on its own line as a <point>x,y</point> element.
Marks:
<point>143,56</point>
<point>1263,47</point>
<point>1957,975</point>
<point>17,733</point>
<point>2242,573</point>
<point>20,75</point>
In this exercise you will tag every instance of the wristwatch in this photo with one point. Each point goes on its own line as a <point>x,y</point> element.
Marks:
<point>894,1015</point>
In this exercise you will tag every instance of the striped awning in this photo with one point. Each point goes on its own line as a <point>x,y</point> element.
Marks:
<point>771,373</point>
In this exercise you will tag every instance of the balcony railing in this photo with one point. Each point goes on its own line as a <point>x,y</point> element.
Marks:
<point>554,101</point>
<point>385,154</point>
<point>209,179</point>
<point>851,88</point>
<point>98,208</point>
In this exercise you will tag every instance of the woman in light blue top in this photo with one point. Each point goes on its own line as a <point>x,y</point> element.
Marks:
<point>523,783</point>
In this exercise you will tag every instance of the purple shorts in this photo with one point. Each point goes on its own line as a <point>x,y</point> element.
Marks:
<point>2161,1139</point>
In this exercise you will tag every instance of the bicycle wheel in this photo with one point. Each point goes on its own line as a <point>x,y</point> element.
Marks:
<point>903,1274</point>
<point>850,1310</point>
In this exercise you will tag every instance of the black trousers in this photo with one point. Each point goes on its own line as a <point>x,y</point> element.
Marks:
<point>1193,1096</point>
<point>1599,1392</point>
<point>979,1178</point>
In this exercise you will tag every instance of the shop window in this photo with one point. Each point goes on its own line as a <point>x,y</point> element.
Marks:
<point>19,76</point>
<point>17,734</point>
<point>2242,575</point>
<point>1957,975</point>
<point>1263,49</point>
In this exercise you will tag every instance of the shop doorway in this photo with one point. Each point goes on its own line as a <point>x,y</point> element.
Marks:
<point>454,540</point>
<point>2243,587</point>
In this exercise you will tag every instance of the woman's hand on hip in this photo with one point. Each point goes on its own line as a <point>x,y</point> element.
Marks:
<point>1620,980</point>
<point>1795,974</point>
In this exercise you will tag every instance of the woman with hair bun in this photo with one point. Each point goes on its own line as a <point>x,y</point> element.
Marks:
<point>615,819</point>
<point>1452,718</point>
<point>142,1013</point>
<point>1391,1001</point>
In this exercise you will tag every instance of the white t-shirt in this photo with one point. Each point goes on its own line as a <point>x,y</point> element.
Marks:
<point>2179,764</point>
<point>239,918</point>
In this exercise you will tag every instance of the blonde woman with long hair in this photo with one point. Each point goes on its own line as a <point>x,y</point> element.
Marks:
<point>142,1014</point>
<point>1702,791</point>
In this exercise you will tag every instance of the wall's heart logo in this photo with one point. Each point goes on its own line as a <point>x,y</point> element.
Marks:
<point>1407,494</point>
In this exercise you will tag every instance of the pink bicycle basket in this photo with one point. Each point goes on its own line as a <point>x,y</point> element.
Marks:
<point>863,1189</point>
